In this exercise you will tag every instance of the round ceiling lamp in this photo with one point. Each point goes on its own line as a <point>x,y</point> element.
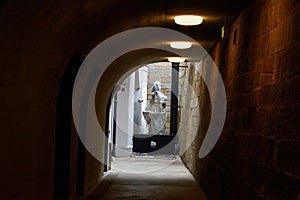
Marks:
<point>181,45</point>
<point>176,59</point>
<point>188,20</point>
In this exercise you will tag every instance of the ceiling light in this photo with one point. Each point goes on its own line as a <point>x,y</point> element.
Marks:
<point>181,45</point>
<point>176,59</point>
<point>188,20</point>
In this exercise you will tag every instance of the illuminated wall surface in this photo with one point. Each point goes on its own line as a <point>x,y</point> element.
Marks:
<point>257,155</point>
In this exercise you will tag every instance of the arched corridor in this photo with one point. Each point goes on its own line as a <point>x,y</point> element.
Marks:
<point>253,43</point>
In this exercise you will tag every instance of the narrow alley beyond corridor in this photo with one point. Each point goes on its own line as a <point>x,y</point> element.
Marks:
<point>148,177</point>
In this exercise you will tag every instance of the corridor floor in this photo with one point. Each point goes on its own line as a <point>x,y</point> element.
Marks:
<point>148,177</point>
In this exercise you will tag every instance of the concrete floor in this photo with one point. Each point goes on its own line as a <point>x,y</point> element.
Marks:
<point>148,177</point>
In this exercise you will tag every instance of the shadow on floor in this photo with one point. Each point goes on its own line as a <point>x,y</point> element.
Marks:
<point>148,177</point>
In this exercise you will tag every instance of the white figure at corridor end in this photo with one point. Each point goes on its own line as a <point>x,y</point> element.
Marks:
<point>155,112</point>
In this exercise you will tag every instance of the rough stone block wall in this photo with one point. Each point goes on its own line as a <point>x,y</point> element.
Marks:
<point>257,155</point>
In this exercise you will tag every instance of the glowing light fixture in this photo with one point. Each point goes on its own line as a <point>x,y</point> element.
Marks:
<point>176,59</point>
<point>181,45</point>
<point>188,20</point>
<point>223,32</point>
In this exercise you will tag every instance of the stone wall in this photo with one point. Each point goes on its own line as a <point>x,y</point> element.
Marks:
<point>257,155</point>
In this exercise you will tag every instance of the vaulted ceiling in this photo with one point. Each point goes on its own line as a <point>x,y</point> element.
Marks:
<point>104,18</point>
<point>118,16</point>
<point>51,31</point>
